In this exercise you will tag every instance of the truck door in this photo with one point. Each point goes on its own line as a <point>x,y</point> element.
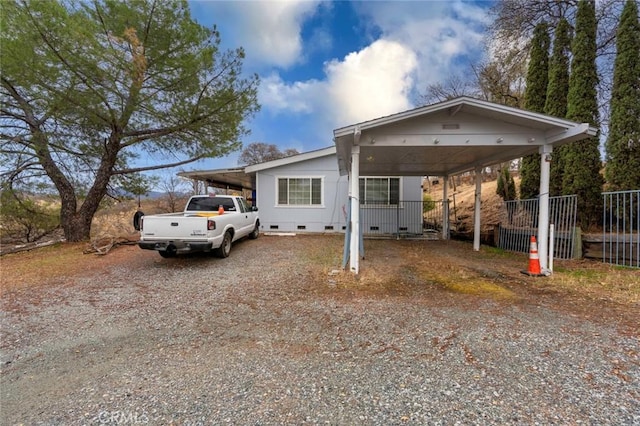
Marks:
<point>246,216</point>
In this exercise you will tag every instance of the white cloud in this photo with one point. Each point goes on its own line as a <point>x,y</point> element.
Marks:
<point>373,82</point>
<point>368,84</point>
<point>417,46</point>
<point>278,96</point>
<point>445,35</point>
<point>269,31</point>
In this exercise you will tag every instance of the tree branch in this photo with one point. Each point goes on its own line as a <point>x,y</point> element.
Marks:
<point>162,166</point>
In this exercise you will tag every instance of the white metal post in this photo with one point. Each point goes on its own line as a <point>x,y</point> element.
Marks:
<point>543,211</point>
<point>476,210</point>
<point>445,208</point>
<point>354,263</point>
<point>551,248</point>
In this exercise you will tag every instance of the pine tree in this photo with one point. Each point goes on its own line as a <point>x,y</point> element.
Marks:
<point>623,142</point>
<point>582,159</point>
<point>534,100</point>
<point>556,100</point>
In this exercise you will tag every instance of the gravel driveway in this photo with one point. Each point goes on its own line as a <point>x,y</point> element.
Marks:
<point>269,336</point>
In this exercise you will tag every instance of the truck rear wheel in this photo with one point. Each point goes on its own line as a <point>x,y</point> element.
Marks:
<point>225,248</point>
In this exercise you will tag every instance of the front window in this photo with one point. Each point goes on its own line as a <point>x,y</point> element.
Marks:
<point>300,191</point>
<point>379,190</point>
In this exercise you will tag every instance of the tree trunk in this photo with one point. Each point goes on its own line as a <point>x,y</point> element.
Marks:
<point>77,227</point>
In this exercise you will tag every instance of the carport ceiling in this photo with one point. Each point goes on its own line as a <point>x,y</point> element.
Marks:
<point>235,178</point>
<point>450,138</point>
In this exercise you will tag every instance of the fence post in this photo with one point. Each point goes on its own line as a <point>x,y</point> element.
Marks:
<point>577,246</point>
<point>551,246</point>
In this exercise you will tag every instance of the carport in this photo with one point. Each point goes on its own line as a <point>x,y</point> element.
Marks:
<point>446,139</point>
<point>232,179</point>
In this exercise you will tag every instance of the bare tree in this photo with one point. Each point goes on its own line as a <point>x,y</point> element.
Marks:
<point>174,189</point>
<point>259,152</point>
<point>454,86</point>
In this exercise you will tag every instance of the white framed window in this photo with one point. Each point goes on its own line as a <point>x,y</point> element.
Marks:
<point>380,191</point>
<point>299,191</point>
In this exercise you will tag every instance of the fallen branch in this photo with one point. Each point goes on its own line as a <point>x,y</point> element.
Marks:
<point>29,246</point>
<point>104,245</point>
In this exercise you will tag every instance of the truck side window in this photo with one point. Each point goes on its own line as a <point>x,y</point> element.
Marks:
<point>243,205</point>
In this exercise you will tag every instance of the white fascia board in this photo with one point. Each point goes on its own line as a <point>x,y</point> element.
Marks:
<point>573,133</point>
<point>456,103</point>
<point>291,160</point>
<point>212,171</point>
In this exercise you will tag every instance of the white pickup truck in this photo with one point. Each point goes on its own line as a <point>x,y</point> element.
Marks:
<point>208,223</point>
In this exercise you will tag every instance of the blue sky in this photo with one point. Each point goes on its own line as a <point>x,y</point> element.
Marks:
<point>325,65</point>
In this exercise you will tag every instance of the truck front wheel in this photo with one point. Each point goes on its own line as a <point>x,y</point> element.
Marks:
<point>256,231</point>
<point>225,248</point>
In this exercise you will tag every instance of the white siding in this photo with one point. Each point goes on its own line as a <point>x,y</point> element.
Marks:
<point>327,217</point>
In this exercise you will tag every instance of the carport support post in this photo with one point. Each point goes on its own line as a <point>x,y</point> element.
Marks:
<point>543,210</point>
<point>476,210</point>
<point>355,210</point>
<point>445,207</point>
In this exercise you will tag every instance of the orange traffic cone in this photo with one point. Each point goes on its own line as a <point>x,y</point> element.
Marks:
<point>534,260</point>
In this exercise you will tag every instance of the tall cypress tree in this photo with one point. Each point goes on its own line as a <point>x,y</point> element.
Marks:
<point>534,100</point>
<point>623,142</point>
<point>556,101</point>
<point>582,159</point>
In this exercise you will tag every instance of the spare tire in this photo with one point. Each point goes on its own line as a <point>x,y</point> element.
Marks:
<point>137,218</point>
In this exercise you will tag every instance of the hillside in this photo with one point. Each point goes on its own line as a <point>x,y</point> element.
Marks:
<point>462,201</point>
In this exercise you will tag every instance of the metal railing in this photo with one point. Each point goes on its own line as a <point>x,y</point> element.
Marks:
<point>405,219</point>
<point>519,221</point>
<point>621,228</point>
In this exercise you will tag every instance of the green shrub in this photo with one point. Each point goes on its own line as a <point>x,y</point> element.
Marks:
<point>427,203</point>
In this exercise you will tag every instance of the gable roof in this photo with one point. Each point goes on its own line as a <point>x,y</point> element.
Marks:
<point>451,137</point>
<point>291,159</point>
<point>243,177</point>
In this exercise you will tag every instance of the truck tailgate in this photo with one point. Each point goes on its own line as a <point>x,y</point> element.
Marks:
<point>174,227</point>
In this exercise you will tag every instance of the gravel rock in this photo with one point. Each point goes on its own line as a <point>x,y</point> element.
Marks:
<point>268,337</point>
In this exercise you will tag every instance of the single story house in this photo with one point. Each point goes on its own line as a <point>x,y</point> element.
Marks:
<point>306,193</point>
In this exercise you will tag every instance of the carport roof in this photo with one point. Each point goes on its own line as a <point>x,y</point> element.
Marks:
<point>233,178</point>
<point>451,137</point>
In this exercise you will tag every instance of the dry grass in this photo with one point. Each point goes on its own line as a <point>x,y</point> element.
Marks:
<point>598,280</point>
<point>393,268</point>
